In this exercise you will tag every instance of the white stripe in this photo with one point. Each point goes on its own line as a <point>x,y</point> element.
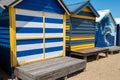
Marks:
<point>54,54</point>
<point>28,35</point>
<point>53,44</point>
<point>52,15</point>
<point>30,58</point>
<point>51,25</point>
<point>54,34</point>
<point>29,24</point>
<point>28,12</point>
<point>29,47</point>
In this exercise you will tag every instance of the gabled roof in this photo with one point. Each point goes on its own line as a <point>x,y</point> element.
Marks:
<point>104,13</point>
<point>6,3</point>
<point>70,9</point>
<point>117,20</point>
<point>78,7</point>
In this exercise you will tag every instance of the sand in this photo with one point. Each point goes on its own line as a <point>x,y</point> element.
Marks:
<point>103,69</point>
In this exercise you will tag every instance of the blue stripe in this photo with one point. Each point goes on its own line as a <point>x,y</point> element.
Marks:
<point>54,49</point>
<point>4,27</point>
<point>21,42</point>
<point>50,30</point>
<point>4,36</point>
<point>29,52</point>
<point>4,41</point>
<point>5,45</point>
<point>29,18</point>
<point>54,40</point>
<point>29,30</point>
<point>51,20</point>
<point>4,31</point>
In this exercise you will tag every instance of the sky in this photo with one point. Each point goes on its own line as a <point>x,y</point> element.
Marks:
<point>113,5</point>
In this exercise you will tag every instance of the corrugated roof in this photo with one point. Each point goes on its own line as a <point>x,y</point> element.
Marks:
<point>75,8</point>
<point>6,2</point>
<point>72,7</point>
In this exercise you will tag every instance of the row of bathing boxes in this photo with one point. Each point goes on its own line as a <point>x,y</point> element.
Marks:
<point>37,30</point>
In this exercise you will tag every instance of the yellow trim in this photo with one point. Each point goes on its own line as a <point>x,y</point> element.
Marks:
<point>86,9</point>
<point>84,46</point>
<point>64,35</point>
<point>84,17</point>
<point>16,3</point>
<point>12,18</point>
<point>25,63</point>
<point>81,38</point>
<point>63,7</point>
<point>43,35</point>
<point>67,16</point>
<point>67,27</point>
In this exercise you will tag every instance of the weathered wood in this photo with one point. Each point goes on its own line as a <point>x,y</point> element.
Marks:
<point>50,69</point>
<point>90,51</point>
<point>113,49</point>
<point>97,58</point>
<point>85,58</point>
<point>107,53</point>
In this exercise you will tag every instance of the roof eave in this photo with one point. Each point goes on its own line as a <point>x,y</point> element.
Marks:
<point>113,19</point>
<point>15,3</point>
<point>80,8</point>
<point>64,7</point>
<point>94,11</point>
<point>77,11</point>
<point>11,4</point>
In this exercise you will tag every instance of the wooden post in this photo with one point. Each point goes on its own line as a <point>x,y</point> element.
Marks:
<point>65,78</point>
<point>106,54</point>
<point>85,58</point>
<point>97,58</point>
<point>112,52</point>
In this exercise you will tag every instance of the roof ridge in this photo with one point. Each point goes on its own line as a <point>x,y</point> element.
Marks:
<point>76,3</point>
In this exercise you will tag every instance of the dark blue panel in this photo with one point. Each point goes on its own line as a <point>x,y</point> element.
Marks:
<point>42,5</point>
<point>53,40</point>
<point>87,14</point>
<point>2,28</point>
<point>29,52</point>
<point>118,35</point>
<point>4,40</point>
<point>4,36</point>
<point>54,49</point>
<point>21,42</point>
<point>4,31</point>
<point>29,30</point>
<point>80,42</point>
<point>5,45</point>
<point>4,23</point>
<point>29,18</point>
<point>4,18</point>
<point>5,59</point>
<point>50,20</point>
<point>50,30</point>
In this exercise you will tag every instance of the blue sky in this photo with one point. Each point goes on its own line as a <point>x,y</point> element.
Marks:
<point>113,5</point>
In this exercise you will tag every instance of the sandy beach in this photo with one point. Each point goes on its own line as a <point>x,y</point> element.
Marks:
<point>103,69</point>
